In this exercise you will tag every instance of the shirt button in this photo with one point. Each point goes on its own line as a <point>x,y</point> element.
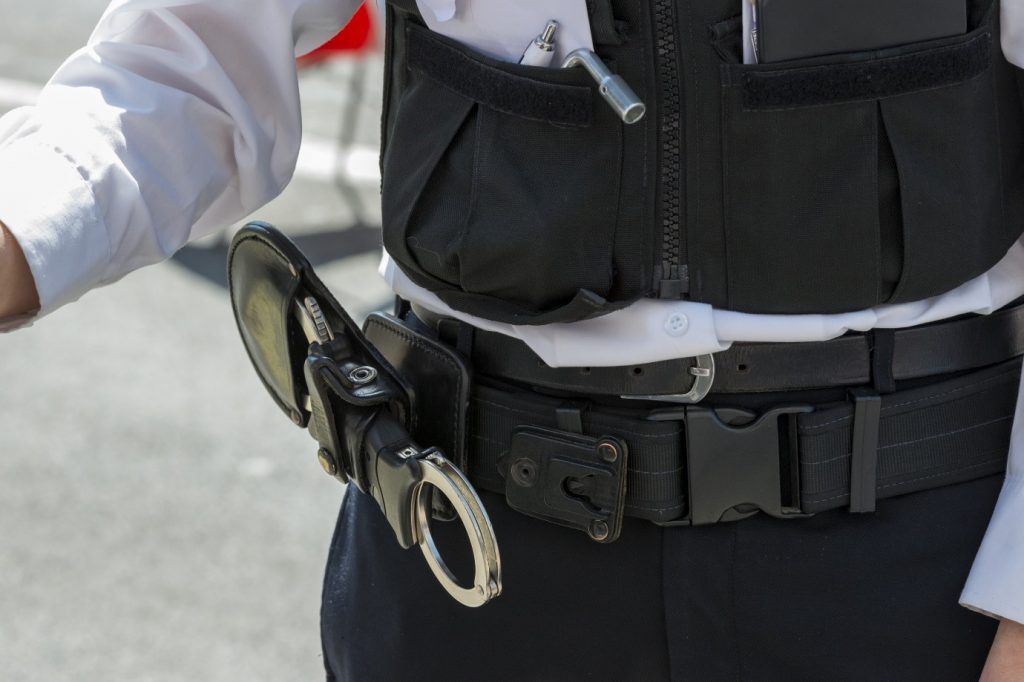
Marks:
<point>677,325</point>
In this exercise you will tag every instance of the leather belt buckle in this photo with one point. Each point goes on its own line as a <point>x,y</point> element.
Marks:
<point>703,373</point>
<point>568,479</point>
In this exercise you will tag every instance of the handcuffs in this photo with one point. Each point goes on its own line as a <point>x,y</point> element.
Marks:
<point>321,370</point>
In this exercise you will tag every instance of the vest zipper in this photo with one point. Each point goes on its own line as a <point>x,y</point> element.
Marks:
<point>671,275</point>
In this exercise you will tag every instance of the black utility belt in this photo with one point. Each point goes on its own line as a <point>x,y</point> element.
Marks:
<point>587,467</point>
<point>572,458</point>
<point>420,415</point>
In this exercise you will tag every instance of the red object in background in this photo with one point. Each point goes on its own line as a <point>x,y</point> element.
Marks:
<point>357,36</point>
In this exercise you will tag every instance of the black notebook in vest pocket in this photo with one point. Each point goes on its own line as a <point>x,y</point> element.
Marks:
<point>793,29</point>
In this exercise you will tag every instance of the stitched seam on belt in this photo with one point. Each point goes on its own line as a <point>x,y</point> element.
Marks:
<point>945,473</point>
<point>889,408</point>
<point>950,472</point>
<point>917,440</point>
<point>656,473</point>
<point>499,443</point>
<point>949,433</point>
<point>674,434</point>
<point>636,507</point>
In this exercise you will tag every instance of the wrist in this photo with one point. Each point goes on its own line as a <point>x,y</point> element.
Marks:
<point>18,295</point>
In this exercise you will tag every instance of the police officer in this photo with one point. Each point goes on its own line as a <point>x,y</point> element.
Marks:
<point>752,207</point>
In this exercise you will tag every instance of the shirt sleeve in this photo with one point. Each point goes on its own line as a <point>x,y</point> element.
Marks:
<point>1011,21</point>
<point>995,585</point>
<point>177,118</point>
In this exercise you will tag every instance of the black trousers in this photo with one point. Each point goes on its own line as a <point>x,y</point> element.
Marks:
<point>833,597</point>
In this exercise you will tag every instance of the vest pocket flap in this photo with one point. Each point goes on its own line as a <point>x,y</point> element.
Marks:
<point>552,95</point>
<point>867,80</point>
<point>946,150</point>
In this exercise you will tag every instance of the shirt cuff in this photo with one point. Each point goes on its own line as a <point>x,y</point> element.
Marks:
<point>995,586</point>
<point>9,324</point>
<point>49,207</point>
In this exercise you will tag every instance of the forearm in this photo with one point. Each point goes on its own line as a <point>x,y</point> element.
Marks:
<point>1006,660</point>
<point>17,287</point>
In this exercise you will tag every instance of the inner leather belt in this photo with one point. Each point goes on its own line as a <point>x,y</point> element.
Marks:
<point>880,358</point>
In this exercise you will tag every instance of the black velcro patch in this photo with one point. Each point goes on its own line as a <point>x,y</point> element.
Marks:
<point>499,88</point>
<point>865,80</point>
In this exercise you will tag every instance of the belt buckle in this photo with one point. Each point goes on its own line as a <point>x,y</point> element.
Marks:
<point>703,373</point>
<point>738,464</point>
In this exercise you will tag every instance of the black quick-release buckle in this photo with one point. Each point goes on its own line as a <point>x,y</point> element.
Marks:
<point>738,464</point>
<point>568,479</point>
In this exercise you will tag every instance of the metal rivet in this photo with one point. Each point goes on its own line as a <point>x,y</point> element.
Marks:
<point>524,472</point>
<point>608,451</point>
<point>598,531</point>
<point>296,418</point>
<point>362,375</point>
<point>327,462</point>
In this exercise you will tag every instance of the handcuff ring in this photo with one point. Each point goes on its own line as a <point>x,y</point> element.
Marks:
<point>439,473</point>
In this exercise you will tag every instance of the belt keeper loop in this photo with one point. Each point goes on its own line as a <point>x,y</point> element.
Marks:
<point>464,341</point>
<point>458,334</point>
<point>883,347</point>
<point>867,411</point>
<point>569,416</point>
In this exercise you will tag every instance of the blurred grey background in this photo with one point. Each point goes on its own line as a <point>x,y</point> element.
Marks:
<point>159,518</point>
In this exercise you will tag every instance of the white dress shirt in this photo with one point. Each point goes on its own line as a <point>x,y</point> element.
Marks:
<point>182,116</point>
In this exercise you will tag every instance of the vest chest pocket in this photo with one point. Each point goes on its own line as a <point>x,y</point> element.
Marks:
<point>855,180</point>
<point>501,185</point>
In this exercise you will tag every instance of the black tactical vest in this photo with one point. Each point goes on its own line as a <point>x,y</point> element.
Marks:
<point>821,185</point>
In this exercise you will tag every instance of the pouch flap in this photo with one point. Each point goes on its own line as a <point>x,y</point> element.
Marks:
<point>438,378</point>
<point>269,277</point>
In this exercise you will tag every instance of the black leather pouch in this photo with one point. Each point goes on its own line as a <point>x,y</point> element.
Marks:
<point>793,29</point>
<point>439,380</point>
